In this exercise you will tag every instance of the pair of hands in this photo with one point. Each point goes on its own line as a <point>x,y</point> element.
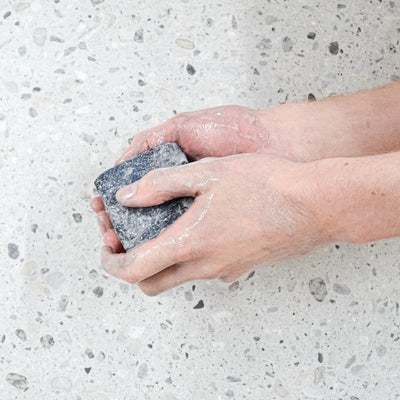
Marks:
<point>253,203</point>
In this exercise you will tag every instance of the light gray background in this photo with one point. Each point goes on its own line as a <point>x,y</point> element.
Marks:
<point>69,102</point>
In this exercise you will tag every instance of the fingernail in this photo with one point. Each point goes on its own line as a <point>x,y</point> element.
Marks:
<point>127,192</point>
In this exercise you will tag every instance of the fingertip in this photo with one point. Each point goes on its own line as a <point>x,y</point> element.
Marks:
<point>97,204</point>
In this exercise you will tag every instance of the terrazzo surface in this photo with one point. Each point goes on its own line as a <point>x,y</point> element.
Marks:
<point>77,80</point>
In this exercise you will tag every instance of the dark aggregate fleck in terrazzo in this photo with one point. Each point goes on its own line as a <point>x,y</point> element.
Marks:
<point>311,35</point>
<point>89,353</point>
<point>77,217</point>
<point>200,304</point>
<point>47,341</point>
<point>334,48</point>
<point>138,38</point>
<point>98,291</point>
<point>13,251</point>
<point>311,97</point>
<point>190,69</point>
<point>21,334</point>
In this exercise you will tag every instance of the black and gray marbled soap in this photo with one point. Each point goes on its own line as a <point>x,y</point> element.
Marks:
<point>135,226</point>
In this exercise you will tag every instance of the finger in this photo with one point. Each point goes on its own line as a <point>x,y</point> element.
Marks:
<point>164,184</point>
<point>142,141</point>
<point>172,277</point>
<point>111,239</point>
<point>174,245</point>
<point>104,222</point>
<point>97,204</point>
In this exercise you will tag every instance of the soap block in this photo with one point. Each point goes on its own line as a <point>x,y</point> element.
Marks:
<point>136,226</point>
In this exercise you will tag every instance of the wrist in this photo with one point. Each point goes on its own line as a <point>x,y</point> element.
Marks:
<point>355,125</point>
<point>356,200</point>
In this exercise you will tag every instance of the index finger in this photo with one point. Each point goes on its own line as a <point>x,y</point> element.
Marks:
<point>142,141</point>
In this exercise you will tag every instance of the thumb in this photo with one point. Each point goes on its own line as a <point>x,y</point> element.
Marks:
<point>163,184</point>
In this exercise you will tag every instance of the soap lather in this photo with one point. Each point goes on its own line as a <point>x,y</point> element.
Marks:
<point>136,226</point>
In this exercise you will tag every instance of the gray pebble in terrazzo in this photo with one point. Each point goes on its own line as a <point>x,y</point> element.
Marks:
<point>264,44</point>
<point>93,274</point>
<point>32,112</point>
<point>98,291</point>
<point>334,48</point>
<point>21,334</point>
<point>138,36</point>
<point>341,289</point>
<point>56,39</point>
<point>77,217</point>
<point>18,381</point>
<point>311,35</point>
<point>234,22</point>
<point>287,44</point>
<point>188,295</point>
<point>350,361</point>
<point>95,2</point>
<point>190,69</point>
<point>317,288</point>
<point>89,353</point>
<point>69,50</point>
<point>47,341</point>
<point>40,36</point>
<point>82,46</point>
<point>22,50</point>
<point>13,251</point>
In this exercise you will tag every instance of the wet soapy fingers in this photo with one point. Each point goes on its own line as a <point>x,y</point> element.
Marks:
<point>110,238</point>
<point>161,185</point>
<point>172,246</point>
<point>97,204</point>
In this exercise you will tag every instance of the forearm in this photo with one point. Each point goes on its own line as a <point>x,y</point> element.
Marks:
<point>363,123</point>
<point>357,199</point>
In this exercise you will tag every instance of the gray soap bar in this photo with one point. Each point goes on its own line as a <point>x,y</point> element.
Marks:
<point>135,226</point>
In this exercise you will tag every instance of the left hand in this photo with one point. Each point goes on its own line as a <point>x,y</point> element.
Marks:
<point>249,209</point>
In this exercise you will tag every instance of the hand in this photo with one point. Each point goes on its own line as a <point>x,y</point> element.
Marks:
<point>214,132</point>
<point>249,210</point>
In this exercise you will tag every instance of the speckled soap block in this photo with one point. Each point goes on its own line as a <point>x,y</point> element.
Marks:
<point>135,226</point>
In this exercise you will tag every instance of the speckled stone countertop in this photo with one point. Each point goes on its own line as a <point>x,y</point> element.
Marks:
<point>77,79</point>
